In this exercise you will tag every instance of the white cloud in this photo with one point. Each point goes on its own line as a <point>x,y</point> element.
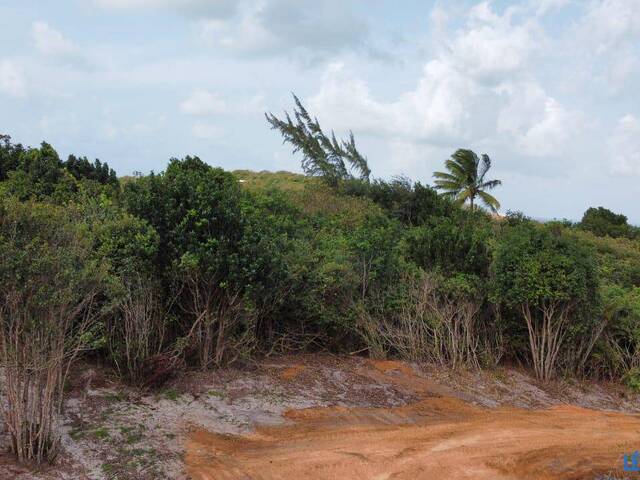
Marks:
<point>625,146</point>
<point>444,106</point>
<point>12,80</point>
<point>478,90</point>
<point>607,38</point>
<point>206,131</point>
<point>608,23</point>
<point>198,7</point>
<point>286,27</point>
<point>492,45</point>
<point>202,102</point>
<point>542,7</point>
<point>49,41</point>
<point>535,121</point>
<point>346,102</point>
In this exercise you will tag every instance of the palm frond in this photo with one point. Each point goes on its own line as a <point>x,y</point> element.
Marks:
<point>490,201</point>
<point>445,176</point>
<point>448,185</point>
<point>463,196</point>
<point>485,165</point>
<point>491,184</point>
<point>456,168</point>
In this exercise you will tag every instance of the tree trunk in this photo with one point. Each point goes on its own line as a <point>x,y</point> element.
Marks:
<point>546,335</point>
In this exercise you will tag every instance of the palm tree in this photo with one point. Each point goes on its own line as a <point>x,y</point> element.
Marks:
<point>465,179</point>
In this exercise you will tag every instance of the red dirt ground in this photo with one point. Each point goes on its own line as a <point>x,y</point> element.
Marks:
<point>438,437</point>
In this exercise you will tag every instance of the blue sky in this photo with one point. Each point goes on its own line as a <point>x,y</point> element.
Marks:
<point>547,88</point>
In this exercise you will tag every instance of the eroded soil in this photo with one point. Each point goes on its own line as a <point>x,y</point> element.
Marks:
<point>435,438</point>
<point>327,417</point>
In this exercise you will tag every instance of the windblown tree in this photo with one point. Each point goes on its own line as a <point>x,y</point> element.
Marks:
<point>323,155</point>
<point>465,179</point>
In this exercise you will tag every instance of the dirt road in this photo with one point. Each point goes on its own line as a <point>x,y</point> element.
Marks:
<point>439,437</point>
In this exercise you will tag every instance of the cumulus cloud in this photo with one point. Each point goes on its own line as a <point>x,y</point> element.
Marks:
<point>542,7</point>
<point>202,102</point>
<point>50,42</point>
<point>221,8</point>
<point>12,80</point>
<point>477,90</point>
<point>608,23</point>
<point>265,27</point>
<point>608,35</point>
<point>535,121</point>
<point>493,45</point>
<point>444,106</point>
<point>625,146</point>
<point>284,27</point>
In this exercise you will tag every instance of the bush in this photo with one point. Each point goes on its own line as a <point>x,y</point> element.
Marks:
<point>551,282</point>
<point>49,283</point>
<point>437,320</point>
<point>603,222</point>
<point>632,379</point>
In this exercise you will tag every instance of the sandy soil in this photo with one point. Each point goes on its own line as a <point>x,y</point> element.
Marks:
<point>438,437</point>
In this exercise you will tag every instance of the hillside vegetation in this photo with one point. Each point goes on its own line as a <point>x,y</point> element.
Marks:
<point>197,267</point>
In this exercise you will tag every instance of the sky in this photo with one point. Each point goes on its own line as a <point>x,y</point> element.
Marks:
<point>548,88</point>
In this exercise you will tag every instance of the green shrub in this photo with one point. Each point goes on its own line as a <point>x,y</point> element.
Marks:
<point>632,379</point>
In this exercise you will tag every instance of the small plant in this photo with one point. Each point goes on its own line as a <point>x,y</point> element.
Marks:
<point>171,394</point>
<point>632,379</point>
<point>101,433</point>
<point>133,437</point>
<point>76,433</point>
<point>108,469</point>
<point>115,396</point>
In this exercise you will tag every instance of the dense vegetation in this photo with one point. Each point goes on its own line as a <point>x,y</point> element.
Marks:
<point>196,267</point>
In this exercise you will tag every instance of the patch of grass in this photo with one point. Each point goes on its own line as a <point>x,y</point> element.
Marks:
<point>108,469</point>
<point>285,181</point>
<point>215,393</point>
<point>106,413</point>
<point>497,374</point>
<point>115,396</point>
<point>101,433</point>
<point>132,434</point>
<point>133,437</point>
<point>632,380</point>
<point>171,394</point>
<point>137,452</point>
<point>76,433</point>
